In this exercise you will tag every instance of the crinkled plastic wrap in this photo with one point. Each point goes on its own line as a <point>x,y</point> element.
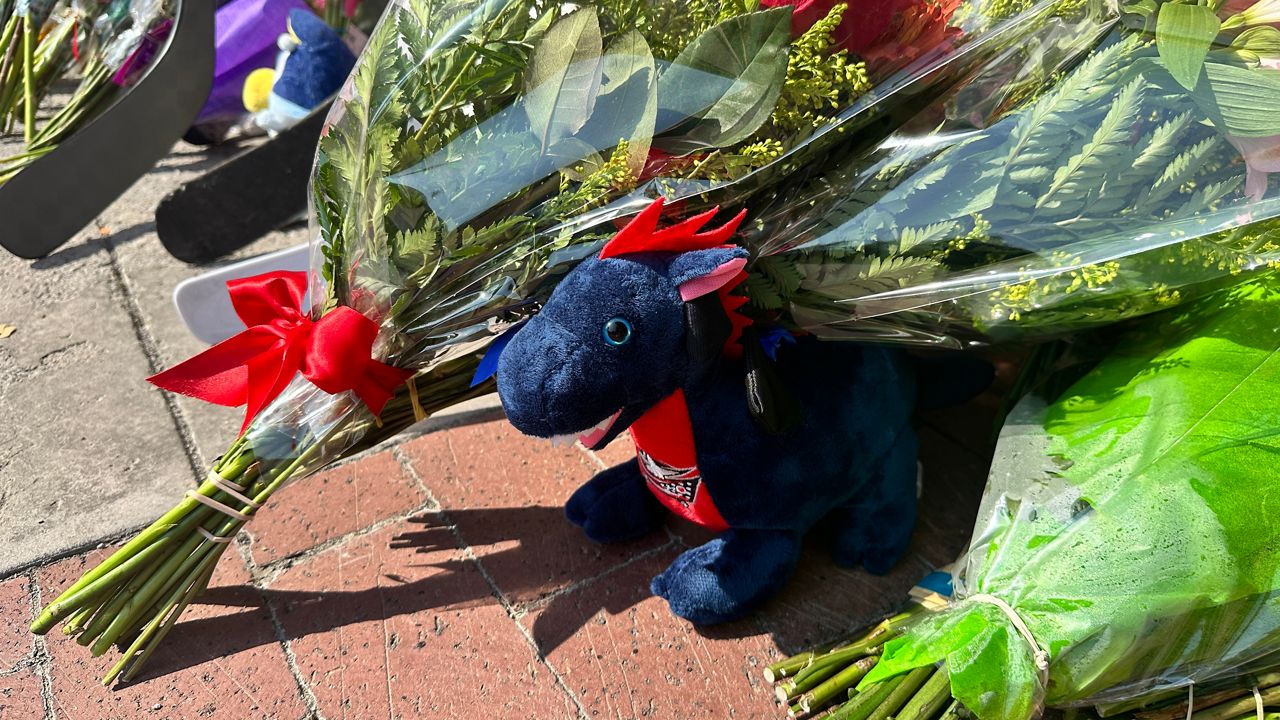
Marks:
<point>481,149</point>
<point>142,14</point>
<point>1129,525</point>
<point>1022,176</point>
<point>976,171</point>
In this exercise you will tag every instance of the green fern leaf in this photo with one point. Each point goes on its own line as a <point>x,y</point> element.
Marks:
<point>1207,197</point>
<point>925,236</point>
<point>762,293</point>
<point>1084,173</point>
<point>782,273</point>
<point>866,275</point>
<point>1181,169</point>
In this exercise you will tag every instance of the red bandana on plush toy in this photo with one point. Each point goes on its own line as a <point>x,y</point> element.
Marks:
<point>664,435</point>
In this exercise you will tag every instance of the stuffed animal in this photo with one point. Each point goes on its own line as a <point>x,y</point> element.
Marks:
<point>313,63</point>
<point>647,336</point>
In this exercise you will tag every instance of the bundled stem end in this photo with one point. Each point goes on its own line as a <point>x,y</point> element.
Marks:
<point>134,597</point>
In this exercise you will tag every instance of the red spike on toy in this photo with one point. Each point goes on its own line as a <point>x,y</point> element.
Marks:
<point>637,232</point>
<point>642,234</point>
<point>738,322</point>
<point>685,230</point>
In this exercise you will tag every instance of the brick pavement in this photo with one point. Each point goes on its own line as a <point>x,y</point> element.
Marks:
<point>438,578</point>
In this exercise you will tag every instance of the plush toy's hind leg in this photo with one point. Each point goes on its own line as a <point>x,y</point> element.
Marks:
<point>727,577</point>
<point>875,530</point>
<point>615,505</point>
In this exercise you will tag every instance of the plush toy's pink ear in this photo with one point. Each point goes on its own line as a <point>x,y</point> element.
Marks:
<point>722,275</point>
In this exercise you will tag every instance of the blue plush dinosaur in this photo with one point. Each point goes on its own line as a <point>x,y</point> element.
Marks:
<point>646,336</point>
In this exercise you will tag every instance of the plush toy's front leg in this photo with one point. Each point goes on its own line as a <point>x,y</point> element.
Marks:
<point>729,576</point>
<point>615,506</point>
<point>875,530</point>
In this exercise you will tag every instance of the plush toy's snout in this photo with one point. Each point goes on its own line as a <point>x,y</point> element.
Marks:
<point>532,366</point>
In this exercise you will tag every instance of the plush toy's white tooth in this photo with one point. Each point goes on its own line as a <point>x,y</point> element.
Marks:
<point>561,440</point>
<point>605,424</point>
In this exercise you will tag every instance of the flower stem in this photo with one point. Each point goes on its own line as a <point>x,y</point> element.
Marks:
<point>791,687</point>
<point>953,711</point>
<point>862,704</point>
<point>839,655</point>
<point>28,80</point>
<point>911,682</point>
<point>1241,706</point>
<point>78,595</point>
<point>155,631</point>
<point>1179,710</point>
<point>842,681</point>
<point>6,63</point>
<point>933,695</point>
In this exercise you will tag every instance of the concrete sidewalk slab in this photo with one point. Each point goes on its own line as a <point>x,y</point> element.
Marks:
<point>86,452</point>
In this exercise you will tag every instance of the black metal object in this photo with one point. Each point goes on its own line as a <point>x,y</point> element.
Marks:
<point>248,196</point>
<point>49,201</point>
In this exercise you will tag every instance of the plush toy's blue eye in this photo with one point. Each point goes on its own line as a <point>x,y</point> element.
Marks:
<point>617,332</point>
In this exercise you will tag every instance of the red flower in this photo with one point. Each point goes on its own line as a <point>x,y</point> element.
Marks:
<point>921,29</point>
<point>886,33</point>
<point>660,162</point>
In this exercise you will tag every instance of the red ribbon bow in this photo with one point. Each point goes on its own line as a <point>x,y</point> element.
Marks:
<point>254,367</point>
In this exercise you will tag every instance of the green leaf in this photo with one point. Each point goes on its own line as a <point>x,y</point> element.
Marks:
<point>1242,101</point>
<point>1169,416</point>
<point>860,276</point>
<point>990,665</point>
<point>627,108</point>
<point>1184,34</point>
<point>746,56</point>
<point>1263,40</point>
<point>1083,173</point>
<point>782,272</point>
<point>763,293</point>
<point>564,77</point>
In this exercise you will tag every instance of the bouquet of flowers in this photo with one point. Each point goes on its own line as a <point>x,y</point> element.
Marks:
<point>110,45</point>
<point>1122,555</point>
<point>917,171</point>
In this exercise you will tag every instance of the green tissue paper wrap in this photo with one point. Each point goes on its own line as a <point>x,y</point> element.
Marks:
<point>1143,554</point>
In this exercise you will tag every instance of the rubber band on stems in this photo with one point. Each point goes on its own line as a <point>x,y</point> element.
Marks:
<point>230,489</point>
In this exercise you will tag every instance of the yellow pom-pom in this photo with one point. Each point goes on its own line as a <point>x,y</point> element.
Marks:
<point>257,88</point>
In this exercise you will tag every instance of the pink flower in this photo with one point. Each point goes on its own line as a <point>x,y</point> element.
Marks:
<point>1261,157</point>
<point>349,7</point>
<point>1261,154</point>
<point>660,162</point>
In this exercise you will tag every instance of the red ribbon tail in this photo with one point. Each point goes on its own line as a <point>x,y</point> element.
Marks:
<point>218,375</point>
<point>379,384</point>
<point>269,374</point>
